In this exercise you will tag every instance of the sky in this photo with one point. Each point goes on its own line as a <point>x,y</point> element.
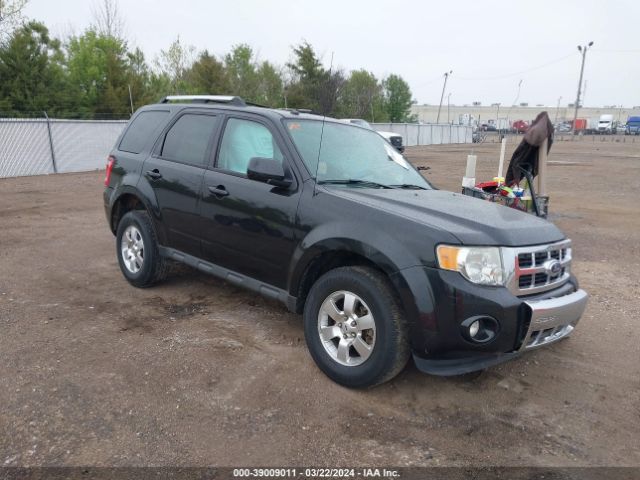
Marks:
<point>489,45</point>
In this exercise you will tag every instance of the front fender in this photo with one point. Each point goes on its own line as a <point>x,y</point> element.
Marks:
<point>410,282</point>
<point>379,247</point>
<point>418,299</point>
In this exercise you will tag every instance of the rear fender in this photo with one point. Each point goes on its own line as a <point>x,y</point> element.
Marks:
<point>143,191</point>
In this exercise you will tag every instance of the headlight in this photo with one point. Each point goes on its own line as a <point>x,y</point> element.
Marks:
<point>482,265</point>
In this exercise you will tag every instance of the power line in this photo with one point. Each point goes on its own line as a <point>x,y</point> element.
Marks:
<point>557,60</point>
<point>616,51</point>
<point>428,82</point>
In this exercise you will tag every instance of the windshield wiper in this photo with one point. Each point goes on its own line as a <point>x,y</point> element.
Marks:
<point>351,181</point>
<point>409,186</point>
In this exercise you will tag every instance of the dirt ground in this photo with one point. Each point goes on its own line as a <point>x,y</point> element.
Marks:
<point>198,372</point>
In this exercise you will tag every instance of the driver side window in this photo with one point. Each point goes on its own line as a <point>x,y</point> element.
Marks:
<point>243,140</point>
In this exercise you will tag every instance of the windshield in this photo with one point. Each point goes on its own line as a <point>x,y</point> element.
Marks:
<point>351,155</point>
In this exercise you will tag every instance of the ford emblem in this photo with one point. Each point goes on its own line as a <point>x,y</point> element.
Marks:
<point>553,268</point>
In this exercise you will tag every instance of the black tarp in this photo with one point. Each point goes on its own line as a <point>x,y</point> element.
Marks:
<point>526,154</point>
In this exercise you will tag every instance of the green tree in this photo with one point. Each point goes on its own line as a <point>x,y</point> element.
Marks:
<point>98,73</point>
<point>30,69</point>
<point>146,86</point>
<point>362,97</point>
<point>398,99</point>
<point>270,86</point>
<point>207,75</point>
<point>241,70</point>
<point>158,87</point>
<point>312,85</point>
<point>255,82</point>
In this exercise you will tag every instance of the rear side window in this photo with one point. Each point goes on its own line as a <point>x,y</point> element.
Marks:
<point>188,139</point>
<point>144,128</point>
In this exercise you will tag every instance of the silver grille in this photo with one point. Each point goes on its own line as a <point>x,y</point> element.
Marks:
<point>537,269</point>
<point>538,338</point>
<point>553,319</point>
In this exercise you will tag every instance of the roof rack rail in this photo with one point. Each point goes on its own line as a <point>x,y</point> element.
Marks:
<point>228,99</point>
<point>297,111</point>
<point>253,104</point>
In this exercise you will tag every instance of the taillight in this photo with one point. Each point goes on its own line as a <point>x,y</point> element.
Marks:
<point>110,162</point>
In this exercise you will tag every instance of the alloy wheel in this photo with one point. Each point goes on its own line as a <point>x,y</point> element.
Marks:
<point>346,328</point>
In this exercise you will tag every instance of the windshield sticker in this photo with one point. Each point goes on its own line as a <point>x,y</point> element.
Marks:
<point>294,126</point>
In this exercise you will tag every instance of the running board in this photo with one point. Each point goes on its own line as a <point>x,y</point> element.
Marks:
<point>230,276</point>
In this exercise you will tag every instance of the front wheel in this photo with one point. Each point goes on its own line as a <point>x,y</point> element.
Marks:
<point>354,327</point>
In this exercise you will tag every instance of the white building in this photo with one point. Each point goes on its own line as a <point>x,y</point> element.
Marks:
<point>482,114</point>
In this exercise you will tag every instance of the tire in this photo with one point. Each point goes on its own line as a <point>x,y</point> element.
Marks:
<point>387,341</point>
<point>137,230</point>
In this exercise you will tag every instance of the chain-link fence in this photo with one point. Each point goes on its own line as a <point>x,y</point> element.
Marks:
<point>428,133</point>
<point>37,146</point>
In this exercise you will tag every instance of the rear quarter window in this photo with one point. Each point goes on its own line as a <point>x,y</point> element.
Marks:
<point>143,129</point>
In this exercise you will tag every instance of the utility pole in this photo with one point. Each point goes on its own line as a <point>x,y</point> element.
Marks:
<point>130,99</point>
<point>446,76</point>
<point>373,118</point>
<point>558,109</point>
<point>583,51</point>
<point>514,103</point>
<point>584,90</point>
<point>619,112</point>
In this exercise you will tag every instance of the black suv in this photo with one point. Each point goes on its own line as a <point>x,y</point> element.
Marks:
<point>332,221</point>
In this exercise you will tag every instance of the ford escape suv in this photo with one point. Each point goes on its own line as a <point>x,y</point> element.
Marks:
<point>331,220</point>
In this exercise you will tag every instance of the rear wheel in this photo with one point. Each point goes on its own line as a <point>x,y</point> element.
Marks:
<point>137,249</point>
<point>354,327</point>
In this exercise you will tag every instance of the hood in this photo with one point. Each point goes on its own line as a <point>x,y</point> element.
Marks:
<point>471,220</point>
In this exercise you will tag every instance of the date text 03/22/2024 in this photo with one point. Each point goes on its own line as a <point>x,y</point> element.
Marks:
<point>315,473</point>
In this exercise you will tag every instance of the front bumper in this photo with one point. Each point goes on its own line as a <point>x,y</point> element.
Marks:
<point>437,302</point>
<point>550,321</point>
<point>553,319</point>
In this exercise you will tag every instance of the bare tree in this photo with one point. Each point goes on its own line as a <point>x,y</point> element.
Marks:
<point>10,15</point>
<point>107,18</point>
<point>175,61</point>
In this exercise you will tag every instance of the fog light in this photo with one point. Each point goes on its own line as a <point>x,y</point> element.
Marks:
<point>480,329</point>
<point>474,328</point>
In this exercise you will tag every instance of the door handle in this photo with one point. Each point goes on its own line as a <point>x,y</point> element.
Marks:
<point>219,191</point>
<point>154,174</point>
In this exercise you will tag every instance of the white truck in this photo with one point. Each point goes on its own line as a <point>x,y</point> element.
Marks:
<point>591,126</point>
<point>605,124</point>
<point>393,138</point>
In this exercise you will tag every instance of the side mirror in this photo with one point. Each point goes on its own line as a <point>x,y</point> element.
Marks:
<point>268,171</point>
